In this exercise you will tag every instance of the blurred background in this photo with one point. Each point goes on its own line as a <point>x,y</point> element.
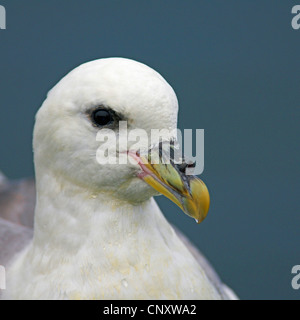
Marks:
<point>235,67</point>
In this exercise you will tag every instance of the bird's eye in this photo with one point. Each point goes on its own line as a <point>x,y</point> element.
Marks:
<point>102,117</point>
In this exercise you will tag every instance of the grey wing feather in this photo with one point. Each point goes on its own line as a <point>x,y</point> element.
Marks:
<point>13,238</point>
<point>17,201</point>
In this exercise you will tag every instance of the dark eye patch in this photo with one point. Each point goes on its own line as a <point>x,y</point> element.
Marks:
<point>104,117</point>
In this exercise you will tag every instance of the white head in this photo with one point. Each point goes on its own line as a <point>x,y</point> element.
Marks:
<point>67,125</point>
<point>65,135</point>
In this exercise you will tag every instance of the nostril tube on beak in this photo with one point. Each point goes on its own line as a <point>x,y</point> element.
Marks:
<point>184,165</point>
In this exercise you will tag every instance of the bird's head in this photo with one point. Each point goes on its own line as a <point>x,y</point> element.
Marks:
<point>91,102</point>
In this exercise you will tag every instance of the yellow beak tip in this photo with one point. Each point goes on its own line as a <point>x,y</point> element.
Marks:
<point>197,206</point>
<point>189,192</point>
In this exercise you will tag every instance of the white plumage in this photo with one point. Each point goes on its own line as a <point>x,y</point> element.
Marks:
<point>98,233</point>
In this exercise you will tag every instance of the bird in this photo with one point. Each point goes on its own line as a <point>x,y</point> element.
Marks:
<point>96,231</point>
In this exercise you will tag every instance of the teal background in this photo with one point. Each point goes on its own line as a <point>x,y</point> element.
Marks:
<point>235,67</point>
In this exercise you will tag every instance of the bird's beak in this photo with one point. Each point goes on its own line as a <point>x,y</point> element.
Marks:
<point>187,191</point>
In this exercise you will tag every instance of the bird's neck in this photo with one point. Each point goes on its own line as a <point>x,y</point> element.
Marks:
<point>69,216</point>
<point>88,246</point>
